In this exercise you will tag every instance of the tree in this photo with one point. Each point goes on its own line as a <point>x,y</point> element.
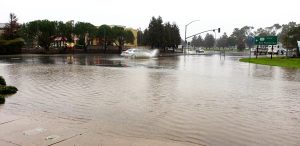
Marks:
<point>239,36</point>
<point>294,36</point>
<point>161,35</point>
<point>231,41</point>
<point>145,38</point>
<point>209,40</point>
<point>167,36</point>
<point>23,33</point>
<point>197,41</point>
<point>262,32</point>
<point>65,30</point>
<point>84,31</point>
<point>140,36</point>
<point>268,31</point>
<point>175,36</point>
<point>29,31</point>
<point>46,33</point>
<point>155,31</point>
<point>283,35</point>
<point>223,41</point>
<point>194,41</point>
<point>274,29</point>
<point>11,28</point>
<point>104,32</point>
<point>121,36</point>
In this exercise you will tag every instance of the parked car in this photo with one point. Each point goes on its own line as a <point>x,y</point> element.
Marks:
<point>276,50</point>
<point>260,51</point>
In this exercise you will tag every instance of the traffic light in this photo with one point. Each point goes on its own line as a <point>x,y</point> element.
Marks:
<point>219,30</point>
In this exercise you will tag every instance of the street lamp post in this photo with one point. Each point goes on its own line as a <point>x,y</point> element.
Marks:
<point>185,42</point>
<point>215,44</point>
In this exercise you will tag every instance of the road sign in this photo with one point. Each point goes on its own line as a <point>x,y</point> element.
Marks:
<point>250,41</point>
<point>266,40</point>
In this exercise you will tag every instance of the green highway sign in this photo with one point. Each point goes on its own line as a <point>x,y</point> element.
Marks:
<point>266,40</point>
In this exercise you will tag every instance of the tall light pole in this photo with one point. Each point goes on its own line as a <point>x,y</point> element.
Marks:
<point>215,44</point>
<point>185,32</point>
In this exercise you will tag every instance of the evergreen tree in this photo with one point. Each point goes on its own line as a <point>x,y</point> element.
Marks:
<point>209,40</point>
<point>11,28</point>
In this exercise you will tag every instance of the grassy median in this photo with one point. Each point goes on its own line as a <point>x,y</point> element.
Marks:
<point>276,61</point>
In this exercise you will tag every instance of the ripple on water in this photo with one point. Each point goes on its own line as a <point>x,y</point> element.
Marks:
<point>196,100</point>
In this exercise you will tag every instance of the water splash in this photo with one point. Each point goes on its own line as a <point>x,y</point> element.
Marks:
<point>140,53</point>
<point>154,53</point>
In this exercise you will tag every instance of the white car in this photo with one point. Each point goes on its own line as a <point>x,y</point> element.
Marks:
<point>140,53</point>
<point>199,50</point>
<point>276,50</point>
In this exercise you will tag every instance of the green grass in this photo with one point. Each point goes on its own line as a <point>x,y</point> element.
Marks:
<point>276,61</point>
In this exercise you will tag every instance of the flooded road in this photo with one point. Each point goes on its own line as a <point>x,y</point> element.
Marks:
<point>200,99</point>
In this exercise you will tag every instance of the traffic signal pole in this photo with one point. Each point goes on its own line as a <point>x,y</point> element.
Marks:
<point>219,30</point>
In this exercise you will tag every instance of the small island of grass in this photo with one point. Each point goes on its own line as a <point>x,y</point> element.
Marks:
<point>4,90</point>
<point>276,61</point>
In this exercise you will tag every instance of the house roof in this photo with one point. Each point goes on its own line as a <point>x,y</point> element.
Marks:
<point>60,39</point>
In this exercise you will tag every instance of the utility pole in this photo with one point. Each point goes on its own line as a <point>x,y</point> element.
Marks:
<point>185,42</point>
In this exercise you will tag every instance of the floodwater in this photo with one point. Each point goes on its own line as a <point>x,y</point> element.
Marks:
<point>198,99</point>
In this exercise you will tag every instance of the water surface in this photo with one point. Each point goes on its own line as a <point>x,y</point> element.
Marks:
<point>199,99</point>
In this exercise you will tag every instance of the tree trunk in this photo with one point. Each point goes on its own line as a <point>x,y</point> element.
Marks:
<point>85,48</point>
<point>105,46</point>
<point>46,48</point>
<point>120,49</point>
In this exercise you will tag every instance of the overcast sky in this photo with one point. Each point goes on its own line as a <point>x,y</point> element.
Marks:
<point>226,14</point>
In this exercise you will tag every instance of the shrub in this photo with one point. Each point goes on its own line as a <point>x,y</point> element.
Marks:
<point>2,99</point>
<point>8,90</point>
<point>2,81</point>
<point>11,46</point>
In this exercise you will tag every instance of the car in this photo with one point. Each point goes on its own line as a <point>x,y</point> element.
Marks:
<point>282,51</point>
<point>199,50</point>
<point>276,50</point>
<point>140,53</point>
<point>260,51</point>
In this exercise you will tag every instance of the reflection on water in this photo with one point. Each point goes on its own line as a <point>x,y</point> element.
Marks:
<point>202,99</point>
<point>97,60</point>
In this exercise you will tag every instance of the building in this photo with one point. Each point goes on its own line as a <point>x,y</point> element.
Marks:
<point>135,34</point>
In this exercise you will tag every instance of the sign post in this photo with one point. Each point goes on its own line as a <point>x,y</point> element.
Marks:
<point>272,52</point>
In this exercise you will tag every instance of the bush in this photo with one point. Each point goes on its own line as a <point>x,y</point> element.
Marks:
<point>77,46</point>
<point>11,46</point>
<point>2,99</point>
<point>2,81</point>
<point>8,90</point>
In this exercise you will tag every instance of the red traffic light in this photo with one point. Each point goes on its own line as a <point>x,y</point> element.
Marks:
<point>219,30</point>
